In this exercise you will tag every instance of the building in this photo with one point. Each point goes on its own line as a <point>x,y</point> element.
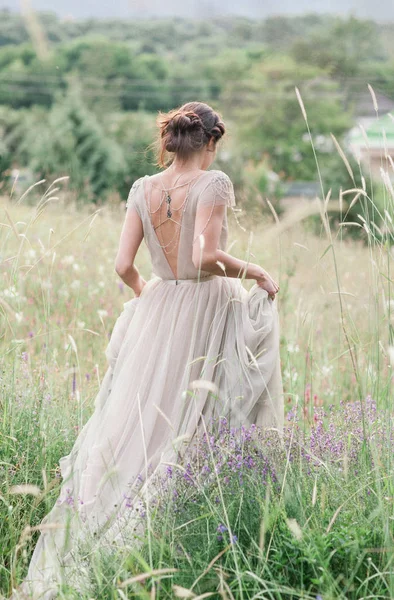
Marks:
<point>373,136</point>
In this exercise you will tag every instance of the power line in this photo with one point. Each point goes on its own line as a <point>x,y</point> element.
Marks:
<point>12,88</point>
<point>175,81</point>
<point>121,86</point>
<point>123,90</point>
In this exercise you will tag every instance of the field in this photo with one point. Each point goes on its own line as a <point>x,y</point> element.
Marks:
<point>311,519</point>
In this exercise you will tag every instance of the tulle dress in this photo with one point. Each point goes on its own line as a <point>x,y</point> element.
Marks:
<point>189,348</point>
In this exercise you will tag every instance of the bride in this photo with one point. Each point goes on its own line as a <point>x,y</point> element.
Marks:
<point>191,345</point>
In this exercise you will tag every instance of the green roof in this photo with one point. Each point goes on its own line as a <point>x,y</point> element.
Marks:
<point>301,188</point>
<point>375,132</point>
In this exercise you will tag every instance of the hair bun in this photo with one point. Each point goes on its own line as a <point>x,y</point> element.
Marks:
<point>185,121</point>
<point>187,129</point>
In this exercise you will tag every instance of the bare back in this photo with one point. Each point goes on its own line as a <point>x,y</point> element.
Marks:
<point>168,217</point>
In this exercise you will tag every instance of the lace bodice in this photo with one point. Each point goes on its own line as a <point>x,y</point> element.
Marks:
<point>211,188</point>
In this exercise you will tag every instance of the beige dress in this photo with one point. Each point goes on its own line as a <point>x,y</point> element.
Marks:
<point>186,350</point>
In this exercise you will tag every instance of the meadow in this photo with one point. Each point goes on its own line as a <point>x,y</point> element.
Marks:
<point>247,517</point>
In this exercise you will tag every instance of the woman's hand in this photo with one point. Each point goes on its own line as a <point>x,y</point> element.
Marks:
<point>265,281</point>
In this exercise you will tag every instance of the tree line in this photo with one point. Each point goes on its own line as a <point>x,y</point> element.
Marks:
<point>86,107</point>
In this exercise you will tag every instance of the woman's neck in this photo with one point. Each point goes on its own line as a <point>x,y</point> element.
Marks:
<point>192,165</point>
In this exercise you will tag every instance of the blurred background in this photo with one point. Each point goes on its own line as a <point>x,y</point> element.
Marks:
<point>81,85</point>
<point>306,90</point>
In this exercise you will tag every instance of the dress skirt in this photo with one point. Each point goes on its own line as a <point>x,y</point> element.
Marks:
<point>181,354</point>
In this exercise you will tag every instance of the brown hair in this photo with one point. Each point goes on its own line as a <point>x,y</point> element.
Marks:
<point>186,129</point>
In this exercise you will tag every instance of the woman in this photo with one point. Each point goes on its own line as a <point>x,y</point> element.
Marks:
<point>191,346</point>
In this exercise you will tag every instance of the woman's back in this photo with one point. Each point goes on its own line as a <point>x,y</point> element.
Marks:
<point>169,226</point>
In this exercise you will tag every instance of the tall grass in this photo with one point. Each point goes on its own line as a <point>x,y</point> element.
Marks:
<point>251,518</point>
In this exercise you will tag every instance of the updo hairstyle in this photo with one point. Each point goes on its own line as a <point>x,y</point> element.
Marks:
<point>187,129</point>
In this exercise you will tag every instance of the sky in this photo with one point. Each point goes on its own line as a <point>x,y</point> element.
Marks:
<point>379,11</point>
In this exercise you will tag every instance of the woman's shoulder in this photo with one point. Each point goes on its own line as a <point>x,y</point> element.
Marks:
<point>218,179</point>
<point>218,175</point>
<point>213,174</point>
<point>222,186</point>
<point>137,182</point>
<point>137,185</point>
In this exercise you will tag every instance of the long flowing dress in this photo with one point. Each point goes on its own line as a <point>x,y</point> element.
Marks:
<point>190,347</point>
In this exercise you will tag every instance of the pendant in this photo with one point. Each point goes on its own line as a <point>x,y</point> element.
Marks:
<point>168,200</point>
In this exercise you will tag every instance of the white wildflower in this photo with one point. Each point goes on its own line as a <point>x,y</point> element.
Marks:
<point>11,292</point>
<point>292,347</point>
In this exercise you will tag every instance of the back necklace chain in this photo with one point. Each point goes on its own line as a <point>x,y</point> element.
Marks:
<point>168,199</point>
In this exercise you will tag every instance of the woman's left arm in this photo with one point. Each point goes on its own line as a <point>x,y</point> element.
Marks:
<point>130,240</point>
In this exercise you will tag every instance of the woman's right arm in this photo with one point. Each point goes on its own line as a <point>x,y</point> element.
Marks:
<point>207,255</point>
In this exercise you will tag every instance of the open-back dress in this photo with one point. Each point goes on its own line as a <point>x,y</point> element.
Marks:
<point>191,347</point>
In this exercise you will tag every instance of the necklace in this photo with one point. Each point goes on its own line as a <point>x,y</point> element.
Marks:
<point>165,190</point>
<point>162,200</point>
<point>168,197</point>
<point>176,236</point>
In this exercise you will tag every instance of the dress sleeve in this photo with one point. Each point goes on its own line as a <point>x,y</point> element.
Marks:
<point>132,197</point>
<point>218,190</point>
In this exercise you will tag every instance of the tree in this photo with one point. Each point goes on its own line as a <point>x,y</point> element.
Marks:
<point>268,118</point>
<point>72,142</point>
<point>341,49</point>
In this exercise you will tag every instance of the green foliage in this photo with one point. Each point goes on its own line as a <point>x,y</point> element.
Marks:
<point>72,142</point>
<point>277,540</point>
<point>270,119</point>
<point>127,71</point>
<point>134,133</point>
<point>342,48</point>
<point>13,128</point>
